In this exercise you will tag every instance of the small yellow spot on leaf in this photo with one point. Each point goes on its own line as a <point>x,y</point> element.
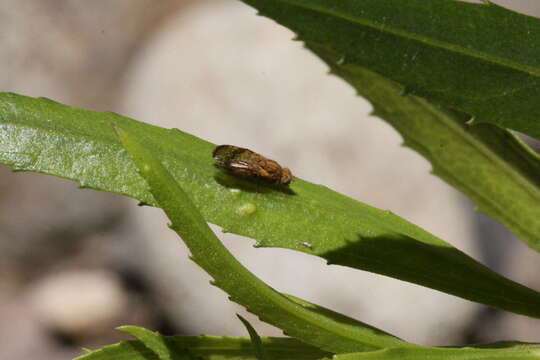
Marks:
<point>246,209</point>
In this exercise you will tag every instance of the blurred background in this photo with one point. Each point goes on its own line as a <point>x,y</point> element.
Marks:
<point>74,263</point>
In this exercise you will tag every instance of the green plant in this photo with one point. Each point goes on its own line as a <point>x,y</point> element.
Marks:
<point>400,61</point>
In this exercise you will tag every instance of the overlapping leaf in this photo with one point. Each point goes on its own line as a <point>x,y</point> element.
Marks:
<point>480,59</point>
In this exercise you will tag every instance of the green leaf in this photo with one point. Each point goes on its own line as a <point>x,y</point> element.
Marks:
<point>255,339</point>
<point>521,352</point>
<point>156,343</point>
<point>210,348</point>
<point>43,136</point>
<point>313,327</point>
<point>480,59</point>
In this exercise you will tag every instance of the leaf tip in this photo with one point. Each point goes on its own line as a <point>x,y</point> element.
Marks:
<point>124,328</point>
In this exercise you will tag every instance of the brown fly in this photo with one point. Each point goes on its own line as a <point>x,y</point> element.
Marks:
<point>246,163</point>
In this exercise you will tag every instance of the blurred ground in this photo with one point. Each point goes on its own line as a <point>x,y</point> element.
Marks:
<point>217,71</point>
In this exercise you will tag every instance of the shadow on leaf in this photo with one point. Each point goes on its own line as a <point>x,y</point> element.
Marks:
<point>253,185</point>
<point>439,267</point>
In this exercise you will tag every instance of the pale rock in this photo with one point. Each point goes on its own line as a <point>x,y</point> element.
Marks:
<point>78,303</point>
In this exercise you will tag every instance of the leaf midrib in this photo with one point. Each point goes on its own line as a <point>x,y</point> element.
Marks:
<point>497,60</point>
